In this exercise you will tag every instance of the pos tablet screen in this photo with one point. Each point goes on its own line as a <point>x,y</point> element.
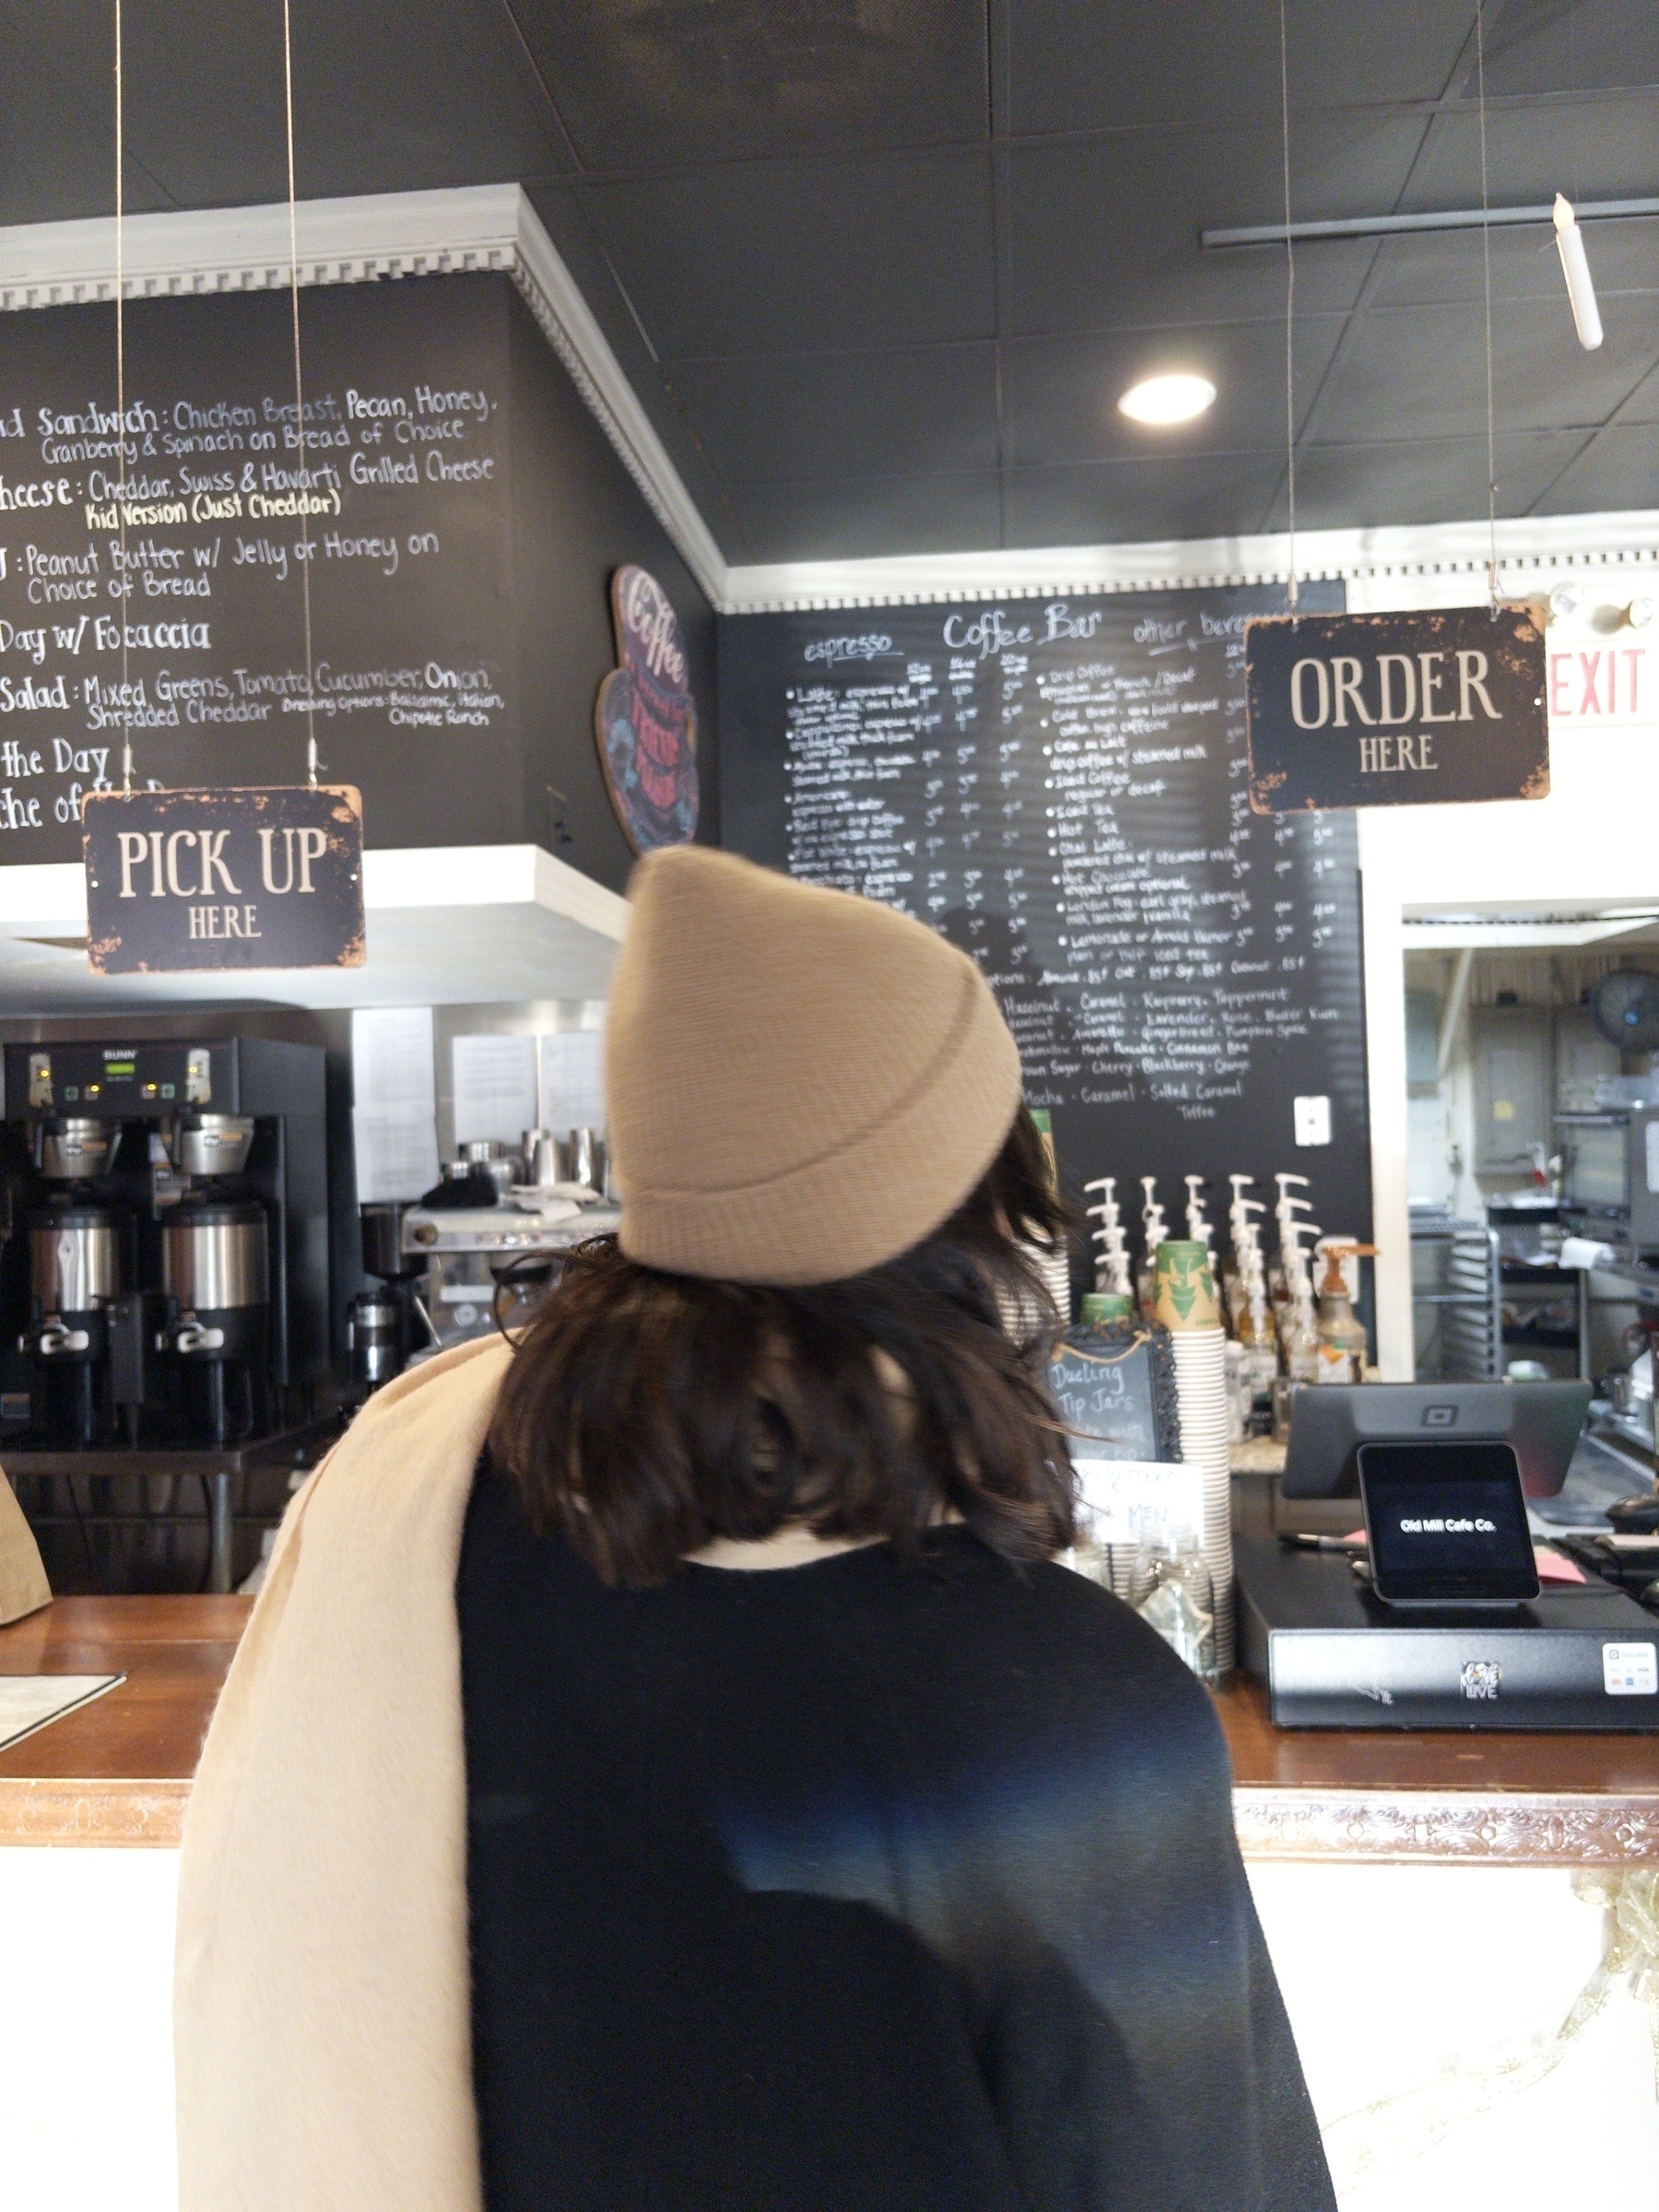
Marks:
<point>1447,1525</point>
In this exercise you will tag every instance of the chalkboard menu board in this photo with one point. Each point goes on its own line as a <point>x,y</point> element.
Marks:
<point>465,515</point>
<point>1061,787</point>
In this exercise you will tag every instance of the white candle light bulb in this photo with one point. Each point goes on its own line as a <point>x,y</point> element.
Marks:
<point>1581,292</point>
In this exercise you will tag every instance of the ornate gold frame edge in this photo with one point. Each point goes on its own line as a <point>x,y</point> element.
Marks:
<point>1519,1830</point>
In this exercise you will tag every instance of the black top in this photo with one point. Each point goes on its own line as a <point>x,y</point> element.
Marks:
<point>857,1887</point>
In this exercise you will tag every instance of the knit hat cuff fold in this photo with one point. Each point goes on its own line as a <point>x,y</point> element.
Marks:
<point>868,1199</point>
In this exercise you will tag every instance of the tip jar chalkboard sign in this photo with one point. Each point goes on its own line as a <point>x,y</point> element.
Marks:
<point>646,721</point>
<point>1115,1386</point>
<point>236,879</point>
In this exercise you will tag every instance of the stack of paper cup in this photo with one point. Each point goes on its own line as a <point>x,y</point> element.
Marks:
<point>1185,1304</point>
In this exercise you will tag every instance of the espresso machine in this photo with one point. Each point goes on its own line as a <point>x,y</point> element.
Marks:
<point>169,1286</point>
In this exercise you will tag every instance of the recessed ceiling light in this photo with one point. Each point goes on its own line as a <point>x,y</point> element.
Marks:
<point>1168,399</point>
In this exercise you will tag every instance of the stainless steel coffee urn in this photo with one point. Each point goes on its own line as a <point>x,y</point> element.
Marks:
<point>75,1267</point>
<point>215,1270</point>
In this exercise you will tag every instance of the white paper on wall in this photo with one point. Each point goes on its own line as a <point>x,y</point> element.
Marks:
<point>1115,1491</point>
<point>396,1152</point>
<point>394,1123</point>
<point>495,1089</point>
<point>572,1080</point>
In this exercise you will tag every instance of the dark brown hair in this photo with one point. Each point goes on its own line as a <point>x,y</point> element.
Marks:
<point>646,1413</point>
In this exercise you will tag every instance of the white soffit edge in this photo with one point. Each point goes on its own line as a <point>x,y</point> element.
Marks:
<point>354,241</point>
<point>452,926</point>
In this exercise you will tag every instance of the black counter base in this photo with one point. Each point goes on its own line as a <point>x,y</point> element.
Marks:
<point>1333,1657</point>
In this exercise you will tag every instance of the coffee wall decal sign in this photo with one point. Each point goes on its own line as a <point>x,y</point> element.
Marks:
<point>233,878</point>
<point>646,719</point>
<point>1395,709</point>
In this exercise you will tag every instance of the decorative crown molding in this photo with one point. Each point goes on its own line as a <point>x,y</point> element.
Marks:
<point>1524,547</point>
<point>482,227</point>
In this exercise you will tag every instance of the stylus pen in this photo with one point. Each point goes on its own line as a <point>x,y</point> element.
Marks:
<point>1306,1543</point>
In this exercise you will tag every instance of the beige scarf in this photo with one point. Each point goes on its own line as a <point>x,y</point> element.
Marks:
<point>23,1585</point>
<point>321,1997</point>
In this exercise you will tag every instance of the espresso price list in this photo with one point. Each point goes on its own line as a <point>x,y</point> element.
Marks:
<point>1061,787</point>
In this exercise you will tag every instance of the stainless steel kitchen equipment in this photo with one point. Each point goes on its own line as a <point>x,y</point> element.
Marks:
<point>215,1273</point>
<point>75,1271</point>
<point>481,1262</point>
<point>585,1162</point>
<point>1610,1176</point>
<point>377,1327</point>
<point>212,1144</point>
<point>76,1148</point>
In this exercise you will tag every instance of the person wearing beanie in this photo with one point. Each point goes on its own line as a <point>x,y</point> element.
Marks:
<point>665,1769</point>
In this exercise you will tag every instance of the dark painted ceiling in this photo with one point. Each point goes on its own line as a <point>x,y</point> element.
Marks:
<point>879,269</point>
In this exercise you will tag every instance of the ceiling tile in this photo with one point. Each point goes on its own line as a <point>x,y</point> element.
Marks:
<point>429,93</point>
<point>1544,46</point>
<point>648,84</point>
<point>1134,501</point>
<point>1062,392</point>
<point>1619,468</point>
<point>57,149</point>
<point>1433,267</point>
<point>1591,149</point>
<point>1420,371</point>
<point>1093,68</point>
<point>1416,481</point>
<point>928,410</point>
<point>1105,234</point>
<point>768,258</point>
<point>1642,405</point>
<point>864,517</point>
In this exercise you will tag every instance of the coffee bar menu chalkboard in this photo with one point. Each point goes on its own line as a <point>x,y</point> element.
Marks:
<point>397,478</point>
<point>1062,788</point>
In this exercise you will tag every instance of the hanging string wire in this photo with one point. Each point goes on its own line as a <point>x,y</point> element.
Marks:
<point>120,505</point>
<point>1486,266</point>
<point>288,86</point>
<point>1289,305</point>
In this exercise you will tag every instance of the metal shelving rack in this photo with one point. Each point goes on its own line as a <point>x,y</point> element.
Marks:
<point>1456,1299</point>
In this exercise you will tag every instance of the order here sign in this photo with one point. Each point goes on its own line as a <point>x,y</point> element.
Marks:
<point>1397,709</point>
<point>233,878</point>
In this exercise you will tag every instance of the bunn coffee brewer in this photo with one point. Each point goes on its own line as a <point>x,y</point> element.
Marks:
<point>170,1285</point>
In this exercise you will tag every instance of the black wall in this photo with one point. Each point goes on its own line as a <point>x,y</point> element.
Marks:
<point>576,516</point>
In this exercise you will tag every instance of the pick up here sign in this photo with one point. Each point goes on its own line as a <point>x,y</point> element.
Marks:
<point>235,878</point>
<point>1395,709</point>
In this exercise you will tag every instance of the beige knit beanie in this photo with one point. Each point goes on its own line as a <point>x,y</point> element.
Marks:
<point>802,1083</point>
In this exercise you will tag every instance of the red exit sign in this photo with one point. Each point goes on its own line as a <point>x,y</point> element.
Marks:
<point>1603,686</point>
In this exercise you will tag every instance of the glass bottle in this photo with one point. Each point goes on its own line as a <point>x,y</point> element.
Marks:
<point>1172,1592</point>
<point>1341,1333</point>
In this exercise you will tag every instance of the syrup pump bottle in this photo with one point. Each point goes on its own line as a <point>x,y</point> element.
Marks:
<point>1341,1333</point>
<point>1112,1261</point>
<point>1156,1230</point>
<point>1281,1282</point>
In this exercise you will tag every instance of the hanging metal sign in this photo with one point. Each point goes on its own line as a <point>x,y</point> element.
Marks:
<point>235,878</point>
<point>1399,710</point>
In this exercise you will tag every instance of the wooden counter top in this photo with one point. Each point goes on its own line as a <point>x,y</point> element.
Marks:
<point>118,1771</point>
